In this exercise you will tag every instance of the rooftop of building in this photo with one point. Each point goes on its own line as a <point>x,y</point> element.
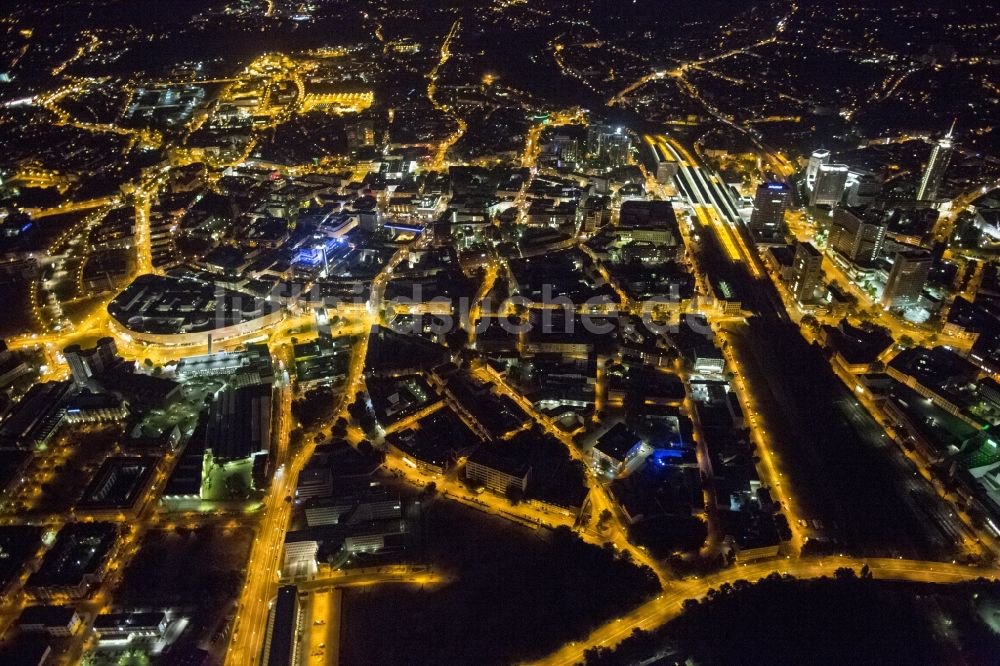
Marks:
<point>856,344</point>
<point>493,457</point>
<point>617,441</point>
<point>18,545</point>
<point>47,616</point>
<point>938,368</point>
<point>167,305</point>
<point>129,620</point>
<point>118,483</point>
<point>239,423</point>
<point>23,425</point>
<point>79,549</point>
<point>438,439</point>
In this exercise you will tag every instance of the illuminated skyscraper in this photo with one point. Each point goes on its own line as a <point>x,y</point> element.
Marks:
<point>857,239</point>
<point>609,144</point>
<point>769,206</point>
<point>863,187</point>
<point>808,267</point>
<point>816,160</point>
<point>87,363</point>
<point>907,278</point>
<point>936,167</point>
<point>831,181</point>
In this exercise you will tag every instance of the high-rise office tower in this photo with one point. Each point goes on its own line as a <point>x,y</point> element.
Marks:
<point>808,272</point>
<point>863,187</point>
<point>87,363</point>
<point>907,278</point>
<point>77,366</point>
<point>769,206</point>
<point>816,160</point>
<point>859,240</point>
<point>609,144</point>
<point>616,148</point>
<point>936,167</point>
<point>831,179</point>
<point>565,147</point>
<point>594,131</point>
